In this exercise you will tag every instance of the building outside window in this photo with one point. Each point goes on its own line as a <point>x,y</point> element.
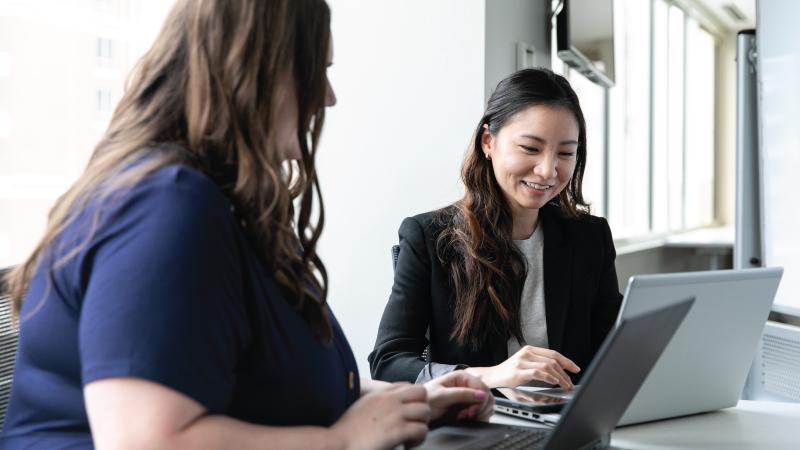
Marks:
<point>83,51</point>
<point>105,53</point>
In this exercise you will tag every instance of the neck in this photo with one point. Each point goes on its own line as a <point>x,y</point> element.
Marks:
<point>524,224</point>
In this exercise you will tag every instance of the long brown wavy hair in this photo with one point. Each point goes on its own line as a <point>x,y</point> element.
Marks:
<point>487,271</point>
<point>210,87</point>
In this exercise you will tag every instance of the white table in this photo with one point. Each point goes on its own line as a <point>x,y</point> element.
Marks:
<point>750,425</point>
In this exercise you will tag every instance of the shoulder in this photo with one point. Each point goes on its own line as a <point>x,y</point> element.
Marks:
<point>173,193</point>
<point>174,219</point>
<point>174,204</point>
<point>180,181</point>
<point>585,229</point>
<point>428,224</point>
<point>584,222</point>
<point>590,222</point>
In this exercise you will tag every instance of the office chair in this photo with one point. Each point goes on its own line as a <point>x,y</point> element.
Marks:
<point>426,354</point>
<point>395,255</point>
<point>9,334</point>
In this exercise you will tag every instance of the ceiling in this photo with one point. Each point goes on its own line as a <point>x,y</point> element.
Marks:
<point>718,9</point>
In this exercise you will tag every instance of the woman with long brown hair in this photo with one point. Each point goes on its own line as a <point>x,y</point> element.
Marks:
<point>515,282</point>
<point>176,299</point>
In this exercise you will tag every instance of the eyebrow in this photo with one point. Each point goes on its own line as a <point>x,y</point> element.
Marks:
<point>538,139</point>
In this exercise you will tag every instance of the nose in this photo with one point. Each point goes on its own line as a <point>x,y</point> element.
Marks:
<point>330,96</point>
<point>546,167</point>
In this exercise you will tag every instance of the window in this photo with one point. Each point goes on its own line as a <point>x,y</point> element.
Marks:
<point>683,121</point>
<point>659,122</point>
<point>668,117</point>
<point>629,129</point>
<point>103,105</point>
<point>699,149</point>
<point>592,98</point>
<point>661,95</point>
<point>104,52</point>
<point>83,52</point>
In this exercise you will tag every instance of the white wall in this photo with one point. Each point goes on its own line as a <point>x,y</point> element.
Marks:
<point>779,143</point>
<point>509,22</point>
<point>409,77</point>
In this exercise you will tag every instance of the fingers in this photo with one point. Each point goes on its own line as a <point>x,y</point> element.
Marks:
<point>486,410</point>
<point>551,362</point>
<point>479,411</point>
<point>413,414</point>
<point>548,371</point>
<point>548,375</point>
<point>538,374</point>
<point>412,433</point>
<point>563,379</point>
<point>460,395</point>
<point>410,393</point>
<point>562,360</point>
<point>456,378</point>
<point>416,412</point>
<point>566,363</point>
<point>465,379</point>
<point>468,413</point>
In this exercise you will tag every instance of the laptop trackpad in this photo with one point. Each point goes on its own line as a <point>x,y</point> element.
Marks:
<point>474,435</point>
<point>447,439</point>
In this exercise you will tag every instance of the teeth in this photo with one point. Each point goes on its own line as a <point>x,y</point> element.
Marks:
<point>537,186</point>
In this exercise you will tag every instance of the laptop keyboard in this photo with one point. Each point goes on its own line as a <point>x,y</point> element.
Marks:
<point>519,438</point>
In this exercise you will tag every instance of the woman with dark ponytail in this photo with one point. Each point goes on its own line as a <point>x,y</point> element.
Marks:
<point>515,282</point>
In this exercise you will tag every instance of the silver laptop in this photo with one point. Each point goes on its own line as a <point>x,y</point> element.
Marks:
<point>705,365</point>
<point>610,381</point>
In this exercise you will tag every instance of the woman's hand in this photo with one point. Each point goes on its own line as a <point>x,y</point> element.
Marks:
<point>459,396</point>
<point>385,418</point>
<point>529,363</point>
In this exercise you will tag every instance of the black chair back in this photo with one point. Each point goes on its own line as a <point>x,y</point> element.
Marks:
<point>9,335</point>
<point>426,354</point>
<point>395,255</point>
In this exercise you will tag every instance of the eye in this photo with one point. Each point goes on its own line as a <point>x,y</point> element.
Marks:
<point>530,149</point>
<point>567,154</point>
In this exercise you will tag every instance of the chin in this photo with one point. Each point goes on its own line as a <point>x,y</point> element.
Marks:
<point>533,204</point>
<point>291,154</point>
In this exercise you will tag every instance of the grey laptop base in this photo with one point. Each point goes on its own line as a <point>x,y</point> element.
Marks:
<point>610,382</point>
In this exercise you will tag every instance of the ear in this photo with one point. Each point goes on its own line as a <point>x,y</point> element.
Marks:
<point>487,141</point>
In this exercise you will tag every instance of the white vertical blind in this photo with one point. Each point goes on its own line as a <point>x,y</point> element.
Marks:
<point>699,163</point>
<point>777,41</point>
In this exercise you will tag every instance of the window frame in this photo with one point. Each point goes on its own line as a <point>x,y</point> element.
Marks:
<point>652,237</point>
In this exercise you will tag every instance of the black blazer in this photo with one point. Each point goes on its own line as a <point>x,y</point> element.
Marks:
<point>582,300</point>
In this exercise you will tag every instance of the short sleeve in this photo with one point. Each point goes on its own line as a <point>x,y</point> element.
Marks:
<point>163,301</point>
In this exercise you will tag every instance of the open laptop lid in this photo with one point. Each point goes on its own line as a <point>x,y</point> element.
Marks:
<point>615,375</point>
<point>705,366</point>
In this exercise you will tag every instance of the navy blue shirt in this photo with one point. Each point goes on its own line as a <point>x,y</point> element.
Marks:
<point>169,290</point>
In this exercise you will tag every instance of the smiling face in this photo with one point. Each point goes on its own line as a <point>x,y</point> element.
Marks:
<point>533,157</point>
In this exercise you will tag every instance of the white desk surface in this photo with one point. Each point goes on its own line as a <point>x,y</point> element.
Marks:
<point>750,425</point>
